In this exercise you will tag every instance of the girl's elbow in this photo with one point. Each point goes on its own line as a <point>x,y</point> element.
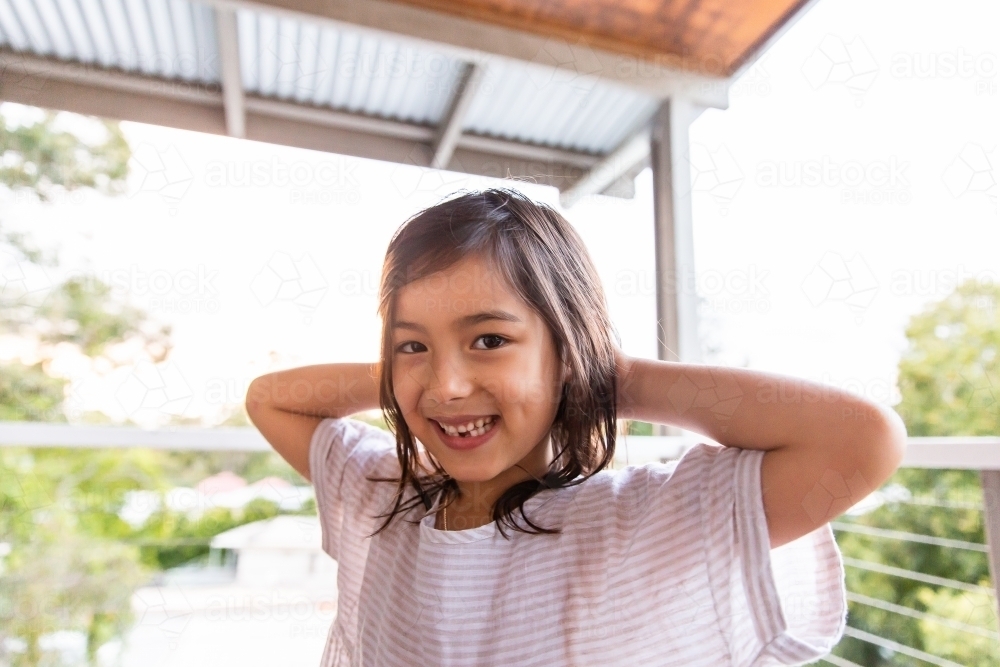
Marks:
<point>888,442</point>
<point>252,399</point>
<point>257,396</point>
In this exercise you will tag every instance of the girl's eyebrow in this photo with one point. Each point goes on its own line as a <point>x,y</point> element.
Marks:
<point>467,321</point>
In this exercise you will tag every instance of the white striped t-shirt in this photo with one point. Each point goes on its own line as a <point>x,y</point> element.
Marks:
<point>660,564</point>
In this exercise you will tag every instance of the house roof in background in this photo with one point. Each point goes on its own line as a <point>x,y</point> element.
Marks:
<point>281,532</point>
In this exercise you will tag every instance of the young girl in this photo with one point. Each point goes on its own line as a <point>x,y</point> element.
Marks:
<point>488,529</point>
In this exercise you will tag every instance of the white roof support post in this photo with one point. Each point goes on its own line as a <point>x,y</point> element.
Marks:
<point>229,72</point>
<point>633,151</point>
<point>448,133</point>
<point>676,297</point>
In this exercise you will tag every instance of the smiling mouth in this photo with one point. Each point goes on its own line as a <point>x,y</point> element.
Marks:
<point>470,430</point>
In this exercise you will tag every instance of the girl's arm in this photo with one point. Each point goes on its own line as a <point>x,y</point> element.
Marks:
<point>825,448</point>
<point>287,406</point>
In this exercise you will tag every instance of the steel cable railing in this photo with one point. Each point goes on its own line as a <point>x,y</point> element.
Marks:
<point>921,615</point>
<point>915,576</point>
<point>909,537</point>
<point>858,598</point>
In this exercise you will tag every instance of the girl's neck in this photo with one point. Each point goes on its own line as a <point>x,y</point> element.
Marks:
<point>474,505</point>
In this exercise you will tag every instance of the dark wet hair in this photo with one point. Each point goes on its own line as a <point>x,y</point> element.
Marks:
<point>544,260</point>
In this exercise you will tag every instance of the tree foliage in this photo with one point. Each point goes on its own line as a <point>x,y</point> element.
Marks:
<point>45,159</point>
<point>949,378</point>
<point>67,569</point>
<point>55,575</point>
<point>73,562</point>
<point>28,393</point>
<point>950,375</point>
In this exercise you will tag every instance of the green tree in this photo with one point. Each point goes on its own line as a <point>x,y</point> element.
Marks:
<point>73,562</point>
<point>949,378</point>
<point>62,579</point>
<point>28,393</point>
<point>56,576</point>
<point>176,538</point>
<point>44,159</point>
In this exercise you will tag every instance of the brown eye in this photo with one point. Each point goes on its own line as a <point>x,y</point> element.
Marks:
<point>407,347</point>
<point>491,341</point>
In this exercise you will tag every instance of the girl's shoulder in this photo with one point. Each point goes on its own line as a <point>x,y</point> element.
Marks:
<point>354,428</point>
<point>351,434</point>
<point>658,492</point>
<point>693,465</point>
<point>346,447</point>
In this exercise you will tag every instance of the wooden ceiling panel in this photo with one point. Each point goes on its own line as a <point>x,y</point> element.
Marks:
<point>707,36</point>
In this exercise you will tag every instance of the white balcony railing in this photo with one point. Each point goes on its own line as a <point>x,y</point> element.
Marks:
<point>968,453</point>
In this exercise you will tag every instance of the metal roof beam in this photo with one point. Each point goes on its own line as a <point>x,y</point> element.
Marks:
<point>422,134</point>
<point>229,71</point>
<point>621,161</point>
<point>450,129</point>
<point>479,42</point>
<point>53,84</point>
<point>624,187</point>
<point>37,72</point>
<point>83,89</point>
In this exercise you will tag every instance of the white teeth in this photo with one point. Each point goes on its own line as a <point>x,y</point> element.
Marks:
<point>472,429</point>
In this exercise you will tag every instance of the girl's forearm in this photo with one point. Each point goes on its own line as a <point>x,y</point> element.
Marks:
<point>323,390</point>
<point>737,407</point>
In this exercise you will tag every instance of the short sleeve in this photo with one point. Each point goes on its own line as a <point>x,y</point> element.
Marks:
<point>342,454</point>
<point>784,606</point>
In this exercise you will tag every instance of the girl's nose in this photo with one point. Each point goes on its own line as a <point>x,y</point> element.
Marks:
<point>449,379</point>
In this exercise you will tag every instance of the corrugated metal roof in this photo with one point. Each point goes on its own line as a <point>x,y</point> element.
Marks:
<point>542,105</point>
<point>344,69</point>
<point>340,68</point>
<point>173,39</point>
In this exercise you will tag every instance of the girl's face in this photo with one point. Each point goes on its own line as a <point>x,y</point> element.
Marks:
<point>466,348</point>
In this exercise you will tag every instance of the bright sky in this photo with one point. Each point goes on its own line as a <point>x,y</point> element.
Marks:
<point>851,181</point>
